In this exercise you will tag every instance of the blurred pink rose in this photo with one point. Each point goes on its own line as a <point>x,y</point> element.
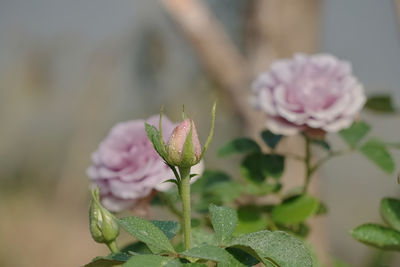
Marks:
<point>127,168</point>
<point>317,91</point>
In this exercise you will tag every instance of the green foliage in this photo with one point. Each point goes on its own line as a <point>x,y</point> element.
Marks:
<point>154,248</point>
<point>263,189</point>
<point>148,233</point>
<point>275,248</point>
<point>109,261</point>
<point>275,165</point>
<point>390,212</point>
<point>257,167</point>
<point>355,133</point>
<point>322,209</point>
<point>202,237</point>
<point>377,236</point>
<point>380,103</point>
<point>169,228</point>
<point>239,145</point>
<point>321,143</point>
<point>240,258</point>
<point>251,219</point>
<point>376,151</point>
<point>151,260</point>
<point>215,187</point>
<point>208,252</point>
<point>224,221</point>
<point>208,179</point>
<point>386,238</point>
<point>155,138</point>
<point>137,247</point>
<point>270,138</point>
<point>295,210</point>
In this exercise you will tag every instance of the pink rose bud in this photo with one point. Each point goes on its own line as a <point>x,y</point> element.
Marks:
<point>176,144</point>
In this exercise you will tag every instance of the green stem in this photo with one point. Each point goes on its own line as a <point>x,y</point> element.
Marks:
<point>113,247</point>
<point>307,161</point>
<point>272,225</point>
<point>185,196</point>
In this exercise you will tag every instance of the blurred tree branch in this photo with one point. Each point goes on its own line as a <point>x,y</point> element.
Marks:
<point>397,10</point>
<point>276,28</point>
<point>218,54</point>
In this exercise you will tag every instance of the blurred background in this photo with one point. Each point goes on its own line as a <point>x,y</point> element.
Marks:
<point>70,70</point>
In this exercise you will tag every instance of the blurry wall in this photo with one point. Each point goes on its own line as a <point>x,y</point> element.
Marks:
<point>365,32</point>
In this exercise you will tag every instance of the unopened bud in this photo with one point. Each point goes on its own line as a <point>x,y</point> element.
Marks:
<point>103,225</point>
<point>182,151</point>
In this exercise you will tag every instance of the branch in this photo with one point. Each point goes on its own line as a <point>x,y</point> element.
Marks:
<point>216,51</point>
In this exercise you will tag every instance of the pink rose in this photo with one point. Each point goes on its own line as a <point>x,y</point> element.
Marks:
<point>317,91</point>
<point>127,168</point>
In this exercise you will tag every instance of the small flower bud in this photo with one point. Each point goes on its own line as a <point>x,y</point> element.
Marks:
<point>178,154</point>
<point>103,225</point>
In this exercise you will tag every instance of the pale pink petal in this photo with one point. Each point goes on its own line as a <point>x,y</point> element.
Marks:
<point>309,91</point>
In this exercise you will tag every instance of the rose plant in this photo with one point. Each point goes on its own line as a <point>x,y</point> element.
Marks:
<point>233,224</point>
<point>127,169</point>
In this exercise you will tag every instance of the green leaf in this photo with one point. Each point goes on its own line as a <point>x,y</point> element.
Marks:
<point>355,133</point>
<point>224,221</point>
<point>208,179</point>
<point>376,151</point>
<point>300,230</point>
<point>111,260</point>
<point>169,228</point>
<point>380,103</point>
<point>340,263</point>
<point>322,209</point>
<point>208,252</point>
<point>321,143</point>
<point>151,260</point>
<point>174,181</point>
<point>276,248</point>
<point>148,233</point>
<point>136,247</point>
<point>239,258</point>
<point>154,136</point>
<point>390,211</point>
<point>215,187</point>
<point>239,145</point>
<point>262,189</point>
<point>377,236</point>
<point>201,237</point>
<point>257,166</point>
<point>250,219</point>
<point>295,210</point>
<point>270,138</point>
<point>275,165</point>
<point>224,192</point>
